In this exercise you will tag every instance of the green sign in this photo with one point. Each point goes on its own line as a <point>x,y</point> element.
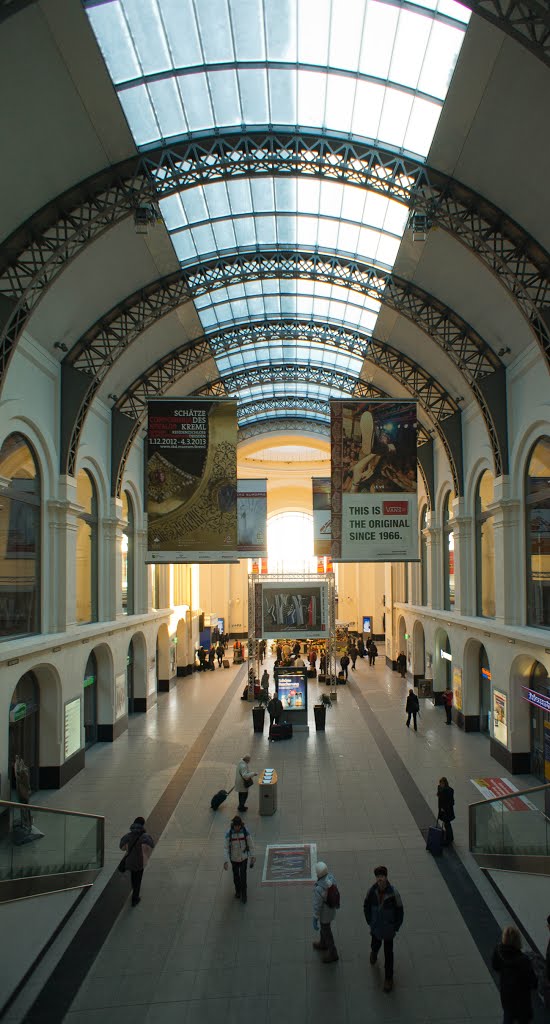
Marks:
<point>89,681</point>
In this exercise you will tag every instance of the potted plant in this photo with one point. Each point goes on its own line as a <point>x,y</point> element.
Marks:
<point>320,712</point>
<point>258,712</point>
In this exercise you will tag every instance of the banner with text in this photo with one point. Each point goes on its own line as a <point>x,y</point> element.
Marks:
<point>373,482</point>
<point>321,515</point>
<point>191,480</point>
<point>252,517</point>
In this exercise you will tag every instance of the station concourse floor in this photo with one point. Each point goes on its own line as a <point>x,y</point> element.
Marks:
<point>362,791</point>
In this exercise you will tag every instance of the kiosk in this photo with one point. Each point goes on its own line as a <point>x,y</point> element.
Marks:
<point>267,791</point>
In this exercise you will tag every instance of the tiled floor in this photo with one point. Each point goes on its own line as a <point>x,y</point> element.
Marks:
<point>190,952</point>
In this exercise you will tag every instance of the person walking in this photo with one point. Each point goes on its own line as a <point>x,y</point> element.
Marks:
<point>373,651</point>
<point>219,654</point>
<point>354,654</point>
<point>448,702</point>
<point>264,683</point>
<point>383,910</point>
<point>361,647</point>
<point>517,978</point>
<point>446,808</point>
<point>274,709</point>
<point>238,847</point>
<point>401,662</point>
<point>243,780</point>
<point>344,662</point>
<point>138,845</point>
<point>412,707</point>
<point>324,912</point>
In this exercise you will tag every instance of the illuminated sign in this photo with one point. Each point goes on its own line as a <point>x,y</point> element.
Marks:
<point>486,673</point>
<point>446,655</point>
<point>536,698</point>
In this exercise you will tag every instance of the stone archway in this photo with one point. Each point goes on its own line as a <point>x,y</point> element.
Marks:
<point>442,673</point>
<point>108,726</point>
<point>526,719</point>
<point>163,659</point>
<point>139,648</point>
<point>418,657</point>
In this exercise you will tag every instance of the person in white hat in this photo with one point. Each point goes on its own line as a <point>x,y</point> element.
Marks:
<point>326,901</point>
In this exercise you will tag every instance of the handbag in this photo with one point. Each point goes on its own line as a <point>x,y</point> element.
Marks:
<point>248,782</point>
<point>122,865</point>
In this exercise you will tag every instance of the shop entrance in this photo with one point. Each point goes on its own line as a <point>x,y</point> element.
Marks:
<point>539,717</point>
<point>90,702</point>
<point>484,692</point>
<point>23,729</point>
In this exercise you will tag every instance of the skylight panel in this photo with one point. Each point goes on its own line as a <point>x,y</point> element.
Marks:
<point>314,31</point>
<point>378,39</point>
<point>117,46</point>
<point>181,32</point>
<point>196,102</point>
<point>367,110</point>
<point>248,29</point>
<point>340,100</point>
<point>395,114</point>
<point>224,234</point>
<point>282,96</point>
<point>140,114</point>
<point>411,39</point>
<point>262,193</point>
<point>225,96</point>
<point>345,34</point>
<point>148,34</point>
<point>421,125</point>
<point>254,91</point>
<point>215,31</point>
<point>440,59</point>
<point>184,247</point>
<point>281,23</point>
<point>216,198</point>
<point>245,232</point>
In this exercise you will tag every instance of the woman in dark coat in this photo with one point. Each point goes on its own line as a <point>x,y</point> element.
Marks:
<point>446,808</point>
<point>517,978</point>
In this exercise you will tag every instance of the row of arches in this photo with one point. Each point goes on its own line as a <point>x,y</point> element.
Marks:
<point>487,698</point>
<point>51,722</point>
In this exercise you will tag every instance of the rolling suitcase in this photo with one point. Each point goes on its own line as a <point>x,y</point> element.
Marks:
<point>219,797</point>
<point>225,663</point>
<point>434,841</point>
<point>283,731</point>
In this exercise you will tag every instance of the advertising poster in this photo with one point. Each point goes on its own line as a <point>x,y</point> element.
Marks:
<point>291,686</point>
<point>500,717</point>
<point>374,481</point>
<point>120,695</point>
<point>252,516</point>
<point>321,515</point>
<point>367,623</point>
<point>490,787</point>
<point>457,688</point>
<point>72,727</point>
<point>289,862</point>
<point>191,480</point>
<point>292,609</point>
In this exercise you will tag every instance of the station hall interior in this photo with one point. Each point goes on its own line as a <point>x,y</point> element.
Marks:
<point>281,203</point>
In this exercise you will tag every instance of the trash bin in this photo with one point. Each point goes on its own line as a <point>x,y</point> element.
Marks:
<point>267,790</point>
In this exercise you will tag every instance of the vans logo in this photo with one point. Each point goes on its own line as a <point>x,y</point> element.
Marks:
<point>395,508</point>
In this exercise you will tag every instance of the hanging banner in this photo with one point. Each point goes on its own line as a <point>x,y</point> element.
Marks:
<point>252,516</point>
<point>191,480</point>
<point>290,608</point>
<point>321,515</point>
<point>374,486</point>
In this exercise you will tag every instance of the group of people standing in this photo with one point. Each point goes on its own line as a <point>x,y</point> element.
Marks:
<point>207,657</point>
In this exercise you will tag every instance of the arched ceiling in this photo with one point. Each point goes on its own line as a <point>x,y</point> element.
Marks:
<point>253,202</point>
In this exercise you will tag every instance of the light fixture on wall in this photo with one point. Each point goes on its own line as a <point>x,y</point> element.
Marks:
<point>61,346</point>
<point>504,351</point>
<point>114,398</point>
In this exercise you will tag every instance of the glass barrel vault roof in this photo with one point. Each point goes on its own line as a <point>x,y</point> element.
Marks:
<point>374,69</point>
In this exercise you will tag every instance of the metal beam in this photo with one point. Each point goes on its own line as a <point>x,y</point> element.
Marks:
<point>526,21</point>
<point>34,255</point>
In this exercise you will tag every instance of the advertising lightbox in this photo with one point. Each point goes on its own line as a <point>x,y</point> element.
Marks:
<point>291,687</point>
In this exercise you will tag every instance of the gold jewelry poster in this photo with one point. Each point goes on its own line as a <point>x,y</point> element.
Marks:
<point>374,481</point>
<point>191,480</point>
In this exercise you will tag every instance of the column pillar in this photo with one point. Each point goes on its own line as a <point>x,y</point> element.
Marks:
<point>434,572</point>
<point>464,560</point>
<point>509,573</point>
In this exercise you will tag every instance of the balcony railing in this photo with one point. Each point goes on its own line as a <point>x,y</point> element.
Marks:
<point>43,849</point>
<point>513,832</point>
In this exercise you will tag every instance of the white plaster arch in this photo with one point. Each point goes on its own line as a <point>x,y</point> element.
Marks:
<point>43,446</point>
<point>105,683</point>
<point>521,451</point>
<point>137,499</point>
<point>475,472</point>
<point>139,645</point>
<point>98,475</point>
<point>443,490</point>
<point>519,734</point>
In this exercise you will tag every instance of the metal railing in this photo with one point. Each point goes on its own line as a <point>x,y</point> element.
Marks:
<point>44,849</point>
<point>513,831</point>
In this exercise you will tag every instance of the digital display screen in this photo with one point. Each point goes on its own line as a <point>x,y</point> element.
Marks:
<point>291,685</point>
<point>367,623</point>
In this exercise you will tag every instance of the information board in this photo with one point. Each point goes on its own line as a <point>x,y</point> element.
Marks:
<point>72,729</point>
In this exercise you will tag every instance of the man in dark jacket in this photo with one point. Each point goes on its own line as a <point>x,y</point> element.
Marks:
<point>383,909</point>
<point>517,978</point>
<point>373,652</point>
<point>275,710</point>
<point>344,662</point>
<point>412,707</point>
<point>138,845</point>
<point>446,808</point>
<point>401,662</point>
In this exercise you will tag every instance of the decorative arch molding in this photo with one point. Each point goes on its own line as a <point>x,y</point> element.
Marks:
<point>290,424</point>
<point>532,434</point>
<point>133,409</point>
<point>37,252</point>
<point>475,472</point>
<point>480,367</point>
